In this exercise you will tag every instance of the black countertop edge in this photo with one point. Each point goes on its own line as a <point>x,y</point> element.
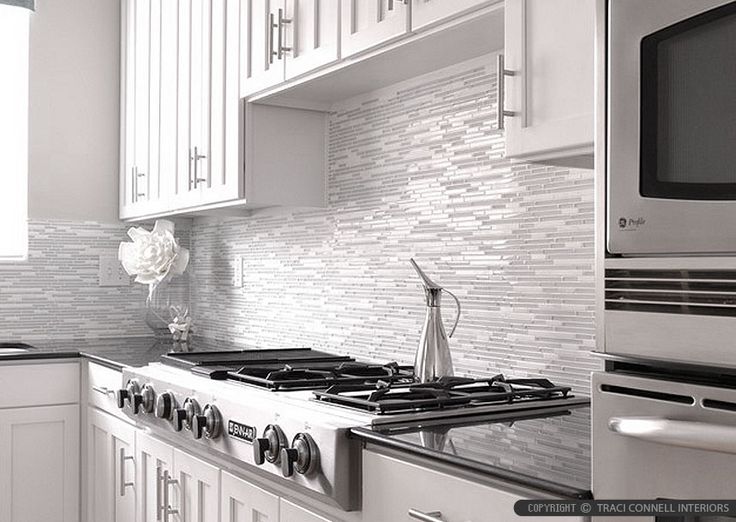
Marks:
<point>41,355</point>
<point>368,435</point>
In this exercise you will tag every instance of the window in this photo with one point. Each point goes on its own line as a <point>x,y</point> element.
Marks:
<point>14,43</point>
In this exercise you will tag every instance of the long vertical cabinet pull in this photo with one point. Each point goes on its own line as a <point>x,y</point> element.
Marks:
<point>282,22</point>
<point>159,502</point>
<point>272,52</point>
<point>166,482</point>
<point>123,484</point>
<point>502,73</point>
<point>195,159</point>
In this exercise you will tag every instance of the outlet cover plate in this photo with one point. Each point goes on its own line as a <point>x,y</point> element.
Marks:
<point>111,272</point>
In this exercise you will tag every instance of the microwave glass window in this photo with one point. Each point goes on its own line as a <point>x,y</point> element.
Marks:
<point>688,108</point>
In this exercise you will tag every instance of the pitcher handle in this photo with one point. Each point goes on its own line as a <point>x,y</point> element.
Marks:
<point>457,317</point>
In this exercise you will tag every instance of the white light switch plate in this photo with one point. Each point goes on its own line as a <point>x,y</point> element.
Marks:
<point>111,272</point>
<point>238,272</point>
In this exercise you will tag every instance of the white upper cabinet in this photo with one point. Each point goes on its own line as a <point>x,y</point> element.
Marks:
<point>262,54</point>
<point>428,12</point>
<point>312,37</point>
<point>366,24</point>
<point>548,81</point>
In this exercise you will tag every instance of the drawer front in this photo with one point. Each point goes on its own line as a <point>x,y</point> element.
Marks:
<point>102,383</point>
<point>41,384</point>
<point>392,487</point>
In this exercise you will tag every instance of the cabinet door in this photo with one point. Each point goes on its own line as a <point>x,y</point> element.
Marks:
<point>142,190</point>
<point>261,66</point>
<point>368,24</point>
<point>153,458</point>
<point>243,502</point>
<point>196,492</point>
<point>549,50</point>
<point>111,473</point>
<point>428,12</point>
<point>293,513</point>
<point>39,464</point>
<point>221,172</point>
<point>313,35</point>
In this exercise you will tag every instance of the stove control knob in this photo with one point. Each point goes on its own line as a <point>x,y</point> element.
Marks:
<point>302,457</point>
<point>209,423</point>
<point>183,416</point>
<point>144,400</point>
<point>268,448</point>
<point>127,393</point>
<point>164,405</point>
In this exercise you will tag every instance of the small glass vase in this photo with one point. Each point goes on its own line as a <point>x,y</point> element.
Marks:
<point>165,301</point>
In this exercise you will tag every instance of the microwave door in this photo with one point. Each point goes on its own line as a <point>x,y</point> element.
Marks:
<point>671,170</point>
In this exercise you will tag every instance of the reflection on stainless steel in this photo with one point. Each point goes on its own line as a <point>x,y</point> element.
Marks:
<point>437,439</point>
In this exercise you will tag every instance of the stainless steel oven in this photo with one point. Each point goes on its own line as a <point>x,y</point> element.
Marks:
<point>671,145</point>
<point>662,439</point>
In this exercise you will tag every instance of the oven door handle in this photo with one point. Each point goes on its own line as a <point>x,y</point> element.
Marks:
<point>685,434</point>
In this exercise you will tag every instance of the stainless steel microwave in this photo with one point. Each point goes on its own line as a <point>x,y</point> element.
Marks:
<point>671,165</point>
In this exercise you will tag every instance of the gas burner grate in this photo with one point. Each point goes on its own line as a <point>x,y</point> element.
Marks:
<point>309,376</point>
<point>448,392</point>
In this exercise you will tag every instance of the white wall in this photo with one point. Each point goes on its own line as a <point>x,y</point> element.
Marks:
<point>74,114</point>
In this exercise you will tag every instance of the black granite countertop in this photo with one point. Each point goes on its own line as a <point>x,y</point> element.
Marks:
<point>545,450</point>
<point>116,352</point>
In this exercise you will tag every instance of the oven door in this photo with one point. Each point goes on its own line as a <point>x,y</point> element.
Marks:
<point>671,134</point>
<point>656,439</point>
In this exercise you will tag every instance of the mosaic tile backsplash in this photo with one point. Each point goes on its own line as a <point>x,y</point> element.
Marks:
<point>416,170</point>
<point>55,294</point>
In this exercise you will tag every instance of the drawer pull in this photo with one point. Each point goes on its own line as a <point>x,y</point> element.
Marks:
<point>434,516</point>
<point>104,391</point>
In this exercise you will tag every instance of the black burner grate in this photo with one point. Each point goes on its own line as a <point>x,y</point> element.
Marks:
<point>453,392</point>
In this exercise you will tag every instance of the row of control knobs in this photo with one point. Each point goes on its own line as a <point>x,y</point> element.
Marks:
<point>205,421</point>
<point>302,457</point>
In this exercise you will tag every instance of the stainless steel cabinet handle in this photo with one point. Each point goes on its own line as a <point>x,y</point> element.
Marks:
<point>134,184</point>
<point>685,434</point>
<point>282,22</point>
<point>271,26</point>
<point>123,484</point>
<point>166,507</point>
<point>137,175</point>
<point>159,503</point>
<point>195,159</point>
<point>103,390</point>
<point>434,516</point>
<point>502,73</point>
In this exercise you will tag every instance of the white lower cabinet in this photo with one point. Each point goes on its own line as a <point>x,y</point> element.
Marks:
<point>292,513</point>
<point>153,459</point>
<point>392,487</point>
<point>195,490</point>
<point>39,464</point>
<point>111,470</point>
<point>241,501</point>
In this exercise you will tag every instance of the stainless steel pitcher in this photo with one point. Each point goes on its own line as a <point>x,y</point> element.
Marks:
<point>433,358</point>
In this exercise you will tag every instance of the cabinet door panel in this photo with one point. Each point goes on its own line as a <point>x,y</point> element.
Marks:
<point>142,102</point>
<point>549,48</point>
<point>244,502</point>
<point>260,69</point>
<point>196,494</point>
<point>168,165</point>
<point>127,107</point>
<point>369,23</point>
<point>313,35</point>
<point>428,12</point>
<point>152,459</point>
<point>110,469</point>
<point>39,464</point>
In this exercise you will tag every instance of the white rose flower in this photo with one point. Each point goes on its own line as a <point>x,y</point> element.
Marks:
<point>153,256</point>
